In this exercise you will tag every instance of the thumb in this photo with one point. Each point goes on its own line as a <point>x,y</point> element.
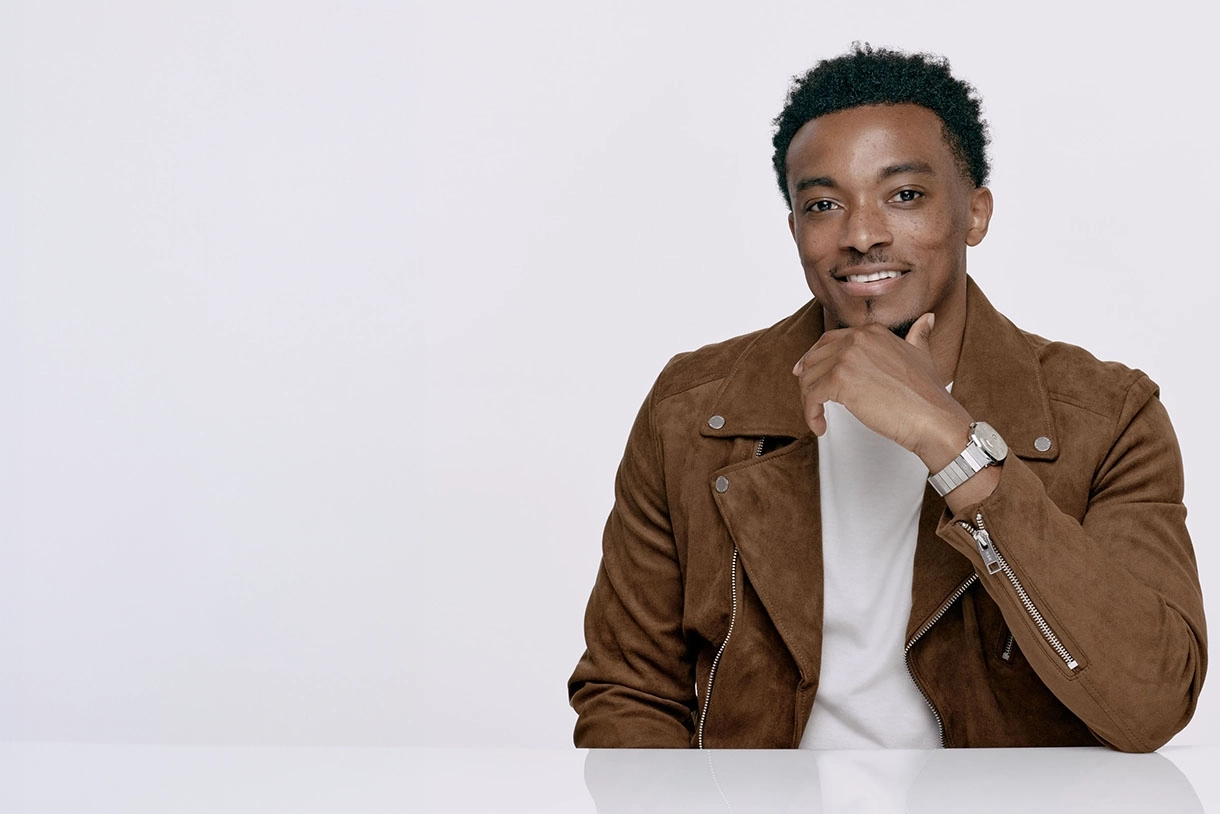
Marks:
<point>920,334</point>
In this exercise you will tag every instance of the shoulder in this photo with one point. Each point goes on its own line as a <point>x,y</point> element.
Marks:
<point>1075,377</point>
<point>1024,377</point>
<point>710,363</point>
<point>713,363</point>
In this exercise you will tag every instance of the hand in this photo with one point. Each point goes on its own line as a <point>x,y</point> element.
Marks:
<point>891,385</point>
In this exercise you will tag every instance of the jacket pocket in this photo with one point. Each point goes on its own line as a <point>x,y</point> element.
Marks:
<point>1008,647</point>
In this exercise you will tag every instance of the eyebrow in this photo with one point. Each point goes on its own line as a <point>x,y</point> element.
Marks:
<point>820,181</point>
<point>916,167</point>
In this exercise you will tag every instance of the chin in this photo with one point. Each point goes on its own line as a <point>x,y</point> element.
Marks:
<point>903,328</point>
<point>899,328</point>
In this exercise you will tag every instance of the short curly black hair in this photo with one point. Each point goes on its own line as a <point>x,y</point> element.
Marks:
<point>868,76</point>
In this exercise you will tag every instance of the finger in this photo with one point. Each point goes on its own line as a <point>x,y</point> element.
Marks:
<point>815,418</point>
<point>820,380</point>
<point>820,350</point>
<point>817,386</point>
<point>920,334</point>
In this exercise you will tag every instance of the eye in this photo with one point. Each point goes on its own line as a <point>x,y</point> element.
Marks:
<point>821,205</point>
<point>907,195</point>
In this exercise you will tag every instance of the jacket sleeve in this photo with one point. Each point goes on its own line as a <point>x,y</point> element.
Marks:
<point>634,685</point>
<point>1118,590</point>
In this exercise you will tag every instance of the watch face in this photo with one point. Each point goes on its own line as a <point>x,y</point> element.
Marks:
<point>991,442</point>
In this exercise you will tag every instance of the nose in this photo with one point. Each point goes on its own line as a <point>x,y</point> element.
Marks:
<point>865,228</point>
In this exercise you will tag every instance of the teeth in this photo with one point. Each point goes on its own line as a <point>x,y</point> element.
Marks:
<point>872,278</point>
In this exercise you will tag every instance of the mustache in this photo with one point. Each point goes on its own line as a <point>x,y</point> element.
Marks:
<point>855,257</point>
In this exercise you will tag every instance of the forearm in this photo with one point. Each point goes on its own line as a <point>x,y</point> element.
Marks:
<point>1118,593</point>
<point>617,716</point>
<point>632,686</point>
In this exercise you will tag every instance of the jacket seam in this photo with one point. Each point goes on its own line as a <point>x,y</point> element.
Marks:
<point>658,450</point>
<point>1087,408</point>
<point>686,386</point>
<point>720,374</point>
<point>1136,376</point>
<point>1117,430</point>
<point>1121,724</point>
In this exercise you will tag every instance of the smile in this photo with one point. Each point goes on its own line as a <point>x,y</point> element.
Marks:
<point>872,277</point>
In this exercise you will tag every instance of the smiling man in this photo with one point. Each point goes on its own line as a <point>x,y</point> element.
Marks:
<point>893,519</point>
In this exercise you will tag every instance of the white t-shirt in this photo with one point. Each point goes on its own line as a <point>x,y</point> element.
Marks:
<point>872,491</point>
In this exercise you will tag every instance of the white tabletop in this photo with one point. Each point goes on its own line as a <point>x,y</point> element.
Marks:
<point>97,778</point>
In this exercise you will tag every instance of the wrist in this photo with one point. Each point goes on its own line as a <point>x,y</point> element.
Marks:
<point>975,490</point>
<point>945,440</point>
<point>985,448</point>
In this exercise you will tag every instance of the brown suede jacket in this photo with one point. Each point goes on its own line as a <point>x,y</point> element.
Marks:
<point>1084,623</point>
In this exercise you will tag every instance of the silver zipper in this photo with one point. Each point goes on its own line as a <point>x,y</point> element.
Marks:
<point>991,557</point>
<point>711,676</point>
<point>924,628</point>
<point>995,562</point>
<point>1006,655</point>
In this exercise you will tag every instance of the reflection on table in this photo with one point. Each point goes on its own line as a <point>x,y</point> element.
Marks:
<point>52,778</point>
<point>883,781</point>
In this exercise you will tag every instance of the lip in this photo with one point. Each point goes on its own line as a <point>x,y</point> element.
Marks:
<point>872,288</point>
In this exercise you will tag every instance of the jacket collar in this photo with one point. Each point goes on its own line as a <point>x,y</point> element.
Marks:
<point>998,380</point>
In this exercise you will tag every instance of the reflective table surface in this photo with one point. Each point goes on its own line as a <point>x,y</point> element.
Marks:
<point>37,777</point>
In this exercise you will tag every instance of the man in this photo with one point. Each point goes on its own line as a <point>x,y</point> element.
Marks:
<point>893,518</point>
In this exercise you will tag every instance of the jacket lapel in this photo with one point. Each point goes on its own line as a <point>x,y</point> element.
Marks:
<point>770,505</point>
<point>760,397</point>
<point>771,509</point>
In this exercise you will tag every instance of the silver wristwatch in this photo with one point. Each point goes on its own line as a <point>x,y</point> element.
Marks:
<point>986,448</point>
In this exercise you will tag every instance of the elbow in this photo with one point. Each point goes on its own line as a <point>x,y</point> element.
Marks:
<point>611,717</point>
<point>1155,711</point>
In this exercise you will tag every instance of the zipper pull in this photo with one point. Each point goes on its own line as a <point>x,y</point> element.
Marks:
<point>983,540</point>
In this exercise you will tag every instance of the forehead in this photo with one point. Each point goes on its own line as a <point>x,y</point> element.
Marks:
<point>864,139</point>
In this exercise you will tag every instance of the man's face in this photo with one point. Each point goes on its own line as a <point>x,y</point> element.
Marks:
<point>882,216</point>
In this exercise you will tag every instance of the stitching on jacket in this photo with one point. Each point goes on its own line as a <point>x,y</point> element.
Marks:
<point>1117,430</point>
<point>1138,743</point>
<point>685,384</point>
<point>1058,399</point>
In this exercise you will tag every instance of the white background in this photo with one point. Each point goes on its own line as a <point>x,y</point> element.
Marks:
<point>322,324</point>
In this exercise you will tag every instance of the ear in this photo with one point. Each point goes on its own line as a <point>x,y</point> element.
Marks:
<point>980,215</point>
<point>792,225</point>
